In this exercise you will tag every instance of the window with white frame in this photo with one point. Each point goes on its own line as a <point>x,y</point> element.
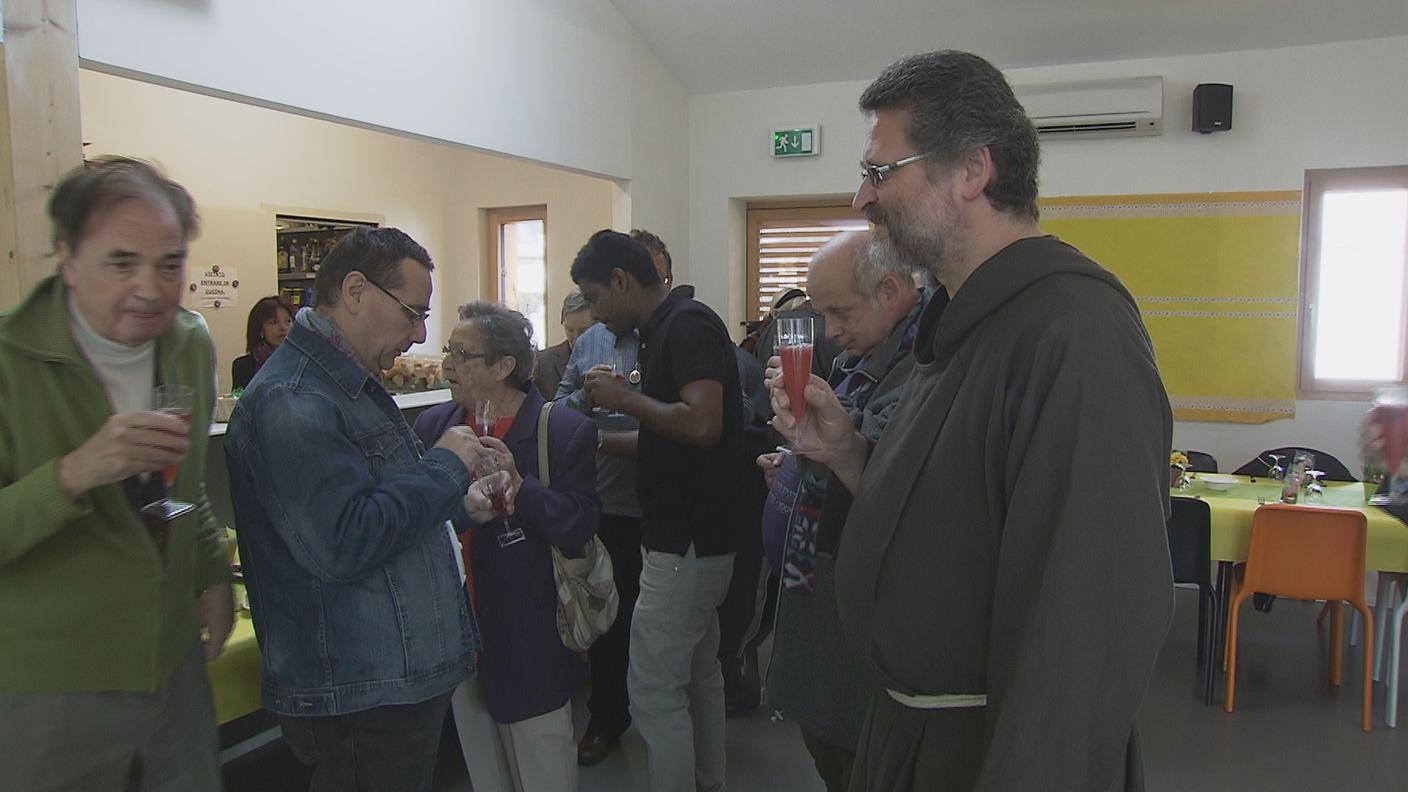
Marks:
<point>1354,295</point>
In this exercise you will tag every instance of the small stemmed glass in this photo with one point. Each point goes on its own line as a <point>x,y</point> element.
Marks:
<point>618,369</point>
<point>1314,491</point>
<point>484,420</point>
<point>1275,471</point>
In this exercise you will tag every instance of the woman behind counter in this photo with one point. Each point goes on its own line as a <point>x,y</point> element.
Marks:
<point>269,323</point>
<point>526,675</point>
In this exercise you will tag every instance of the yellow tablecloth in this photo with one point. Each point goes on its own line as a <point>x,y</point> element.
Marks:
<point>234,676</point>
<point>1387,549</point>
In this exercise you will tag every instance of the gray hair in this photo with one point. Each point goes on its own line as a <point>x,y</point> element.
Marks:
<point>872,267</point>
<point>573,302</point>
<point>959,102</point>
<point>505,333</point>
<point>102,182</point>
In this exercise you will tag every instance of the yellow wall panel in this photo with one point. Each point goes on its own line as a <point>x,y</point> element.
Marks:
<point>1216,277</point>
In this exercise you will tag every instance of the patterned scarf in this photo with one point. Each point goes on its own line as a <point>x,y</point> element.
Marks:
<point>324,327</point>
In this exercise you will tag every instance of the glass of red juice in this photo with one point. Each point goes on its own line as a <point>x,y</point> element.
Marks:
<point>177,400</point>
<point>794,347</point>
<point>1390,415</point>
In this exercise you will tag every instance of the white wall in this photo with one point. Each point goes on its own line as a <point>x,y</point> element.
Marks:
<point>564,82</point>
<point>1333,105</point>
<point>244,163</point>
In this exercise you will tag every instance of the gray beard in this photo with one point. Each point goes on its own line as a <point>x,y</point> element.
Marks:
<point>917,251</point>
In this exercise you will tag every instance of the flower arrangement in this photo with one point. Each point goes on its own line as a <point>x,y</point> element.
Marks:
<point>1177,465</point>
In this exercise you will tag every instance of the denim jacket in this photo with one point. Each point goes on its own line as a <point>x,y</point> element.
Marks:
<point>352,576</point>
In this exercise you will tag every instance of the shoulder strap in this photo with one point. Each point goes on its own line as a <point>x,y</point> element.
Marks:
<point>543,467</point>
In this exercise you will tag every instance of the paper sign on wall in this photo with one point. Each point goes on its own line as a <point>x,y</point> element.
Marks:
<point>216,287</point>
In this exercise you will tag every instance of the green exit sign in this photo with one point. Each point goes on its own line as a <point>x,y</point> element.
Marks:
<point>796,142</point>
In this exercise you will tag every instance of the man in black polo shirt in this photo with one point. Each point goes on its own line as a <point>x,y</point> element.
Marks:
<point>690,411</point>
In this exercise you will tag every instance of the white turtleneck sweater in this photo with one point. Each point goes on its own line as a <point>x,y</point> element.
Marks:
<point>127,372</point>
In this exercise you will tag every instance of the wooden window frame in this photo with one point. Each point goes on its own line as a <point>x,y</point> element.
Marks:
<point>1317,183</point>
<point>494,222</point>
<point>760,214</point>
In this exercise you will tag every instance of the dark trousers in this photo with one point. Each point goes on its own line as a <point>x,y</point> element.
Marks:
<point>745,617</point>
<point>608,704</point>
<point>383,749</point>
<point>833,763</point>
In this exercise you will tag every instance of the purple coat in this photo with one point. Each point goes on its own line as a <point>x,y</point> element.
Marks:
<point>525,669</point>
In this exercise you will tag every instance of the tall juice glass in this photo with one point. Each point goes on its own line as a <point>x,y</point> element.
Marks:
<point>794,346</point>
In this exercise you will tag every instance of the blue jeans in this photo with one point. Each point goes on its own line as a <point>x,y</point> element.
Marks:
<point>383,749</point>
<point>675,684</point>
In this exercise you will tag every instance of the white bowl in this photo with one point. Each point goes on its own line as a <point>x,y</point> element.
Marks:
<point>1217,483</point>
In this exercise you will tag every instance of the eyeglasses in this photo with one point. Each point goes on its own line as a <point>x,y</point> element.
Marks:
<point>460,355</point>
<point>411,313</point>
<point>876,174</point>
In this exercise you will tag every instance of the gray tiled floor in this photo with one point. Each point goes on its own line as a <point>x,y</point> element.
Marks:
<point>1291,731</point>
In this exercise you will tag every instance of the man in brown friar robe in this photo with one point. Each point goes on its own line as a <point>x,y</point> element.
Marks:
<point>1002,574</point>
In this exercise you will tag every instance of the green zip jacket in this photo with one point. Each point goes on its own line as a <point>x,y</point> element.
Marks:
<point>86,601</point>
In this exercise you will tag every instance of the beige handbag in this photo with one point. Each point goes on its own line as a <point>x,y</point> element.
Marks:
<point>587,600</point>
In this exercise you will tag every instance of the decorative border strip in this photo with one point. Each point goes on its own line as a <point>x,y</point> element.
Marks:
<point>1244,204</point>
<point>1222,314</point>
<point>1207,209</point>
<point>1191,299</point>
<point>1174,198</point>
<point>1213,404</point>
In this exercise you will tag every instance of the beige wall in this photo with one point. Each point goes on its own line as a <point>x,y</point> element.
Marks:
<point>244,163</point>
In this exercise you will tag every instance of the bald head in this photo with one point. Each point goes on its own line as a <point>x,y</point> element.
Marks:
<point>862,298</point>
<point>837,258</point>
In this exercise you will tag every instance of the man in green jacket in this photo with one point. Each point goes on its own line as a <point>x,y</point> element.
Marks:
<point>102,660</point>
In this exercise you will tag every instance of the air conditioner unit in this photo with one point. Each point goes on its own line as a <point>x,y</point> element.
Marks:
<point>1123,107</point>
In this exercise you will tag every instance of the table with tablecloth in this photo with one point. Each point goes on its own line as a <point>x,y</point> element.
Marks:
<point>1387,549</point>
<point>1231,530</point>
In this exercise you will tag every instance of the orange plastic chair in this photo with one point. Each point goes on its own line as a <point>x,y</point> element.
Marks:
<point>1308,553</point>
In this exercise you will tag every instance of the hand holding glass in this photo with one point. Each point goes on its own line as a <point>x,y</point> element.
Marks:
<point>178,401</point>
<point>496,487</point>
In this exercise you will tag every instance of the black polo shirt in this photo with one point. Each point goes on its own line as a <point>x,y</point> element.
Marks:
<point>689,495</point>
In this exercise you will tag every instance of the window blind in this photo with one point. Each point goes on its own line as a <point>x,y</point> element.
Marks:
<point>781,243</point>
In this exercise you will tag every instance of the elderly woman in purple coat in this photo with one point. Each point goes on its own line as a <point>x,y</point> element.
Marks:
<point>526,675</point>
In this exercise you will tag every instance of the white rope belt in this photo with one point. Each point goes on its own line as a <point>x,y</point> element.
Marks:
<point>945,701</point>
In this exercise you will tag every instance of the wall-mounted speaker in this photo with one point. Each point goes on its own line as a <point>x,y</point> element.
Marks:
<point>1212,107</point>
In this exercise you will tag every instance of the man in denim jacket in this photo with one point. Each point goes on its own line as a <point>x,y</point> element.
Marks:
<point>355,582</point>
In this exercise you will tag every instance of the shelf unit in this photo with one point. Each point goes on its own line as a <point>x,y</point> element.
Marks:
<point>300,244</point>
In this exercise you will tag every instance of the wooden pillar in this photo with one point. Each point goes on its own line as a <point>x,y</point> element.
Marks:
<point>41,135</point>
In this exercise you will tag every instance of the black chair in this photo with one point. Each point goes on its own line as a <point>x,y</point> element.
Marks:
<point>1190,551</point>
<point>1335,470</point>
<point>1201,462</point>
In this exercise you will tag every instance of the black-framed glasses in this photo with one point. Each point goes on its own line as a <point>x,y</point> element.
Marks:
<point>876,174</point>
<point>459,354</point>
<point>411,313</point>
